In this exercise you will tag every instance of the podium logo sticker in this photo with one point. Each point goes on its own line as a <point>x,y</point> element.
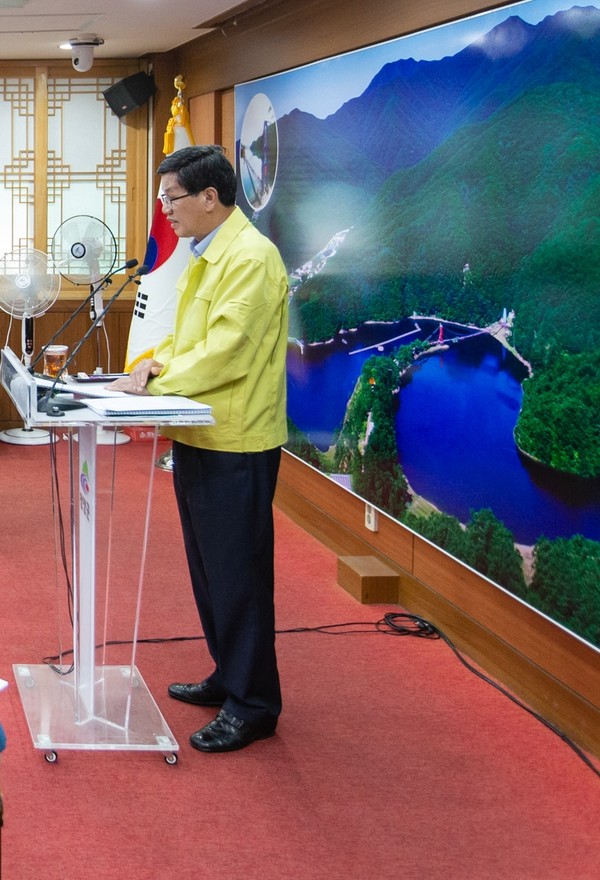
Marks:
<point>84,478</point>
<point>84,485</point>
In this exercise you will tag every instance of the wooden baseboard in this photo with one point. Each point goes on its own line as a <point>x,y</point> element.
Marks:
<point>552,671</point>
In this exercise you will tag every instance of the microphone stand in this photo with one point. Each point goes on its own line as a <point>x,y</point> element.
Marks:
<point>59,408</point>
<point>38,436</point>
<point>95,307</point>
<point>130,264</point>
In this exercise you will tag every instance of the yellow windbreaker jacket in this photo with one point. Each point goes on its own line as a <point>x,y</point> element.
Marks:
<point>229,342</point>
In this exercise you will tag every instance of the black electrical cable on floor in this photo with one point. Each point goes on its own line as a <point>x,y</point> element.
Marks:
<point>423,626</point>
<point>392,624</point>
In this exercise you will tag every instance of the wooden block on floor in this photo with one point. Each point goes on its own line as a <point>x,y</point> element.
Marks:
<point>368,579</point>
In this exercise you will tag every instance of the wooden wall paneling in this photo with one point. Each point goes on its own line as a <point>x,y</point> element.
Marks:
<point>336,516</point>
<point>212,120</point>
<point>40,161</point>
<point>547,667</point>
<point>279,36</point>
<point>228,123</point>
<point>516,623</point>
<point>137,123</point>
<point>510,663</point>
<point>205,118</point>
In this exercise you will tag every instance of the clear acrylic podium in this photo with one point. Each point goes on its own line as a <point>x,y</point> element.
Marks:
<point>87,704</point>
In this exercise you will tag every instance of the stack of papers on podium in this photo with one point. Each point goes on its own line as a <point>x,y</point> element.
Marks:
<point>146,406</point>
<point>69,386</point>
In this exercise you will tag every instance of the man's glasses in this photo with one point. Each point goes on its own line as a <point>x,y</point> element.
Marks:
<point>168,200</point>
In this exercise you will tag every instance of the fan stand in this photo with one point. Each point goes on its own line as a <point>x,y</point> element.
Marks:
<point>111,437</point>
<point>84,240</point>
<point>26,436</point>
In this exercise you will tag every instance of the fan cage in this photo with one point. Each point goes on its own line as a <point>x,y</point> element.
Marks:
<point>29,284</point>
<point>84,249</point>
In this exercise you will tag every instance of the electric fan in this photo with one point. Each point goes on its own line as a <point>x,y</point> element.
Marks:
<point>84,251</point>
<point>29,286</point>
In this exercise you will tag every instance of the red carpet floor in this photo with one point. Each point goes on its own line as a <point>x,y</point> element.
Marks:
<point>391,759</point>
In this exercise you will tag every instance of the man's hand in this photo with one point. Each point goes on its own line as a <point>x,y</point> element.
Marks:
<point>137,380</point>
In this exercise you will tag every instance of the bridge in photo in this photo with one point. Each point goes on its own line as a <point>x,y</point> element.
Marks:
<point>379,345</point>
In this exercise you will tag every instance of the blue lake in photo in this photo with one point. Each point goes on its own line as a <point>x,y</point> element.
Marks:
<point>454,429</point>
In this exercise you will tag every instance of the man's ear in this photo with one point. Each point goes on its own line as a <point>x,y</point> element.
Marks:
<point>211,196</point>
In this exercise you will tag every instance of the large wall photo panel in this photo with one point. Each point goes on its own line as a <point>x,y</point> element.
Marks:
<point>436,201</point>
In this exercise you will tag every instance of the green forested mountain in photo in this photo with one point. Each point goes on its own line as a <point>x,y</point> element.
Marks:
<point>505,214</point>
<point>466,189</point>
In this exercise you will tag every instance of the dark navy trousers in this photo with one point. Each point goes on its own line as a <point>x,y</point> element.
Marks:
<point>225,502</point>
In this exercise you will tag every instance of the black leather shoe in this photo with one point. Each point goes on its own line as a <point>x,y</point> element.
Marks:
<point>228,733</point>
<point>203,694</point>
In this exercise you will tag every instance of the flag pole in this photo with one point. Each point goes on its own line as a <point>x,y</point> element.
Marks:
<point>166,255</point>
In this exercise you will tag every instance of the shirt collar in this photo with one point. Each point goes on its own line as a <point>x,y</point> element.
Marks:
<point>198,247</point>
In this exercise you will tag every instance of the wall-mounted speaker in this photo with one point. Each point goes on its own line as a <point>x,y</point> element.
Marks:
<point>129,93</point>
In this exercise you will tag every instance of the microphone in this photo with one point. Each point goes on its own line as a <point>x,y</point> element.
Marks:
<point>105,281</point>
<point>45,403</point>
<point>96,297</point>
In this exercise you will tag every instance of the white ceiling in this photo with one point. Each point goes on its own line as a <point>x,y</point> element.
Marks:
<point>34,29</point>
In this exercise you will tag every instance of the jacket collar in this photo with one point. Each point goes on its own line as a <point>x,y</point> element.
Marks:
<point>224,234</point>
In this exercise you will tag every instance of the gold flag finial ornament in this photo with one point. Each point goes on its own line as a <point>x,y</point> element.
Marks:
<point>179,117</point>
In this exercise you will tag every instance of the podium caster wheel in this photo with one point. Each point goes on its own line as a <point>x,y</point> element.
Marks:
<point>171,759</point>
<point>51,757</point>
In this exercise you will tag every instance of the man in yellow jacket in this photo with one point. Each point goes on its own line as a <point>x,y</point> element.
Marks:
<point>228,349</point>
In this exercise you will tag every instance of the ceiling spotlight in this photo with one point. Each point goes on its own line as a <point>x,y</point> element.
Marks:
<point>82,50</point>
